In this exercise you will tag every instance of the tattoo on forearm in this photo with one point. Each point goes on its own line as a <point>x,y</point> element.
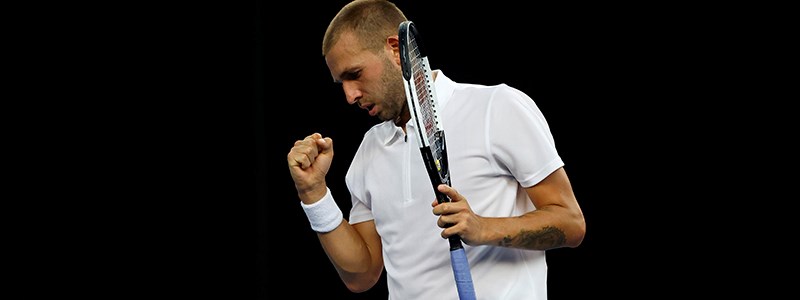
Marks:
<point>546,238</point>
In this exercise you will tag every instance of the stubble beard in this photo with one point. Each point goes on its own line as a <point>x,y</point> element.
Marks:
<point>394,100</point>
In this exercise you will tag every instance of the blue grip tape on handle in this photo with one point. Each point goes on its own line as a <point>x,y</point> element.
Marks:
<point>458,258</point>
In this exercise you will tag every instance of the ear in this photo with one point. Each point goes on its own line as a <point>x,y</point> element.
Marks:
<point>393,42</point>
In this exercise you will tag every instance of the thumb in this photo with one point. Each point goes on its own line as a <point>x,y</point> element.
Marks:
<point>325,145</point>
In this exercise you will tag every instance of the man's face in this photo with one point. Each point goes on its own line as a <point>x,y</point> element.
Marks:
<point>370,80</point>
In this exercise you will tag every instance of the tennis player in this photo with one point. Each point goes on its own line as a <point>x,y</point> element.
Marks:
<point>511,197</point>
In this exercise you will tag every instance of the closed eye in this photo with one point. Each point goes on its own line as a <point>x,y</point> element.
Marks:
<point>350,75</point>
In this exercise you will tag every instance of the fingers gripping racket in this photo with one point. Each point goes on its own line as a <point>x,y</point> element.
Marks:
<point>421,97</point>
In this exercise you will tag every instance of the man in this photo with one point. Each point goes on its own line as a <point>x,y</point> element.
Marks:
<point>511,197</point>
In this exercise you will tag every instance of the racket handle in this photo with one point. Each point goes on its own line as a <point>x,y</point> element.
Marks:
<point>463,276</point>
<point>441,197</point>
<point>455,243</point>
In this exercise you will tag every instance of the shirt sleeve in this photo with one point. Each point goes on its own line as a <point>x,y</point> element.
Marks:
<point>519,137</point>
<point>362,209</point>
<point>360,212</point>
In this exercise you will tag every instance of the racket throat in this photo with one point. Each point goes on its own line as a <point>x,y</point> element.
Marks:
<point>437,172</point>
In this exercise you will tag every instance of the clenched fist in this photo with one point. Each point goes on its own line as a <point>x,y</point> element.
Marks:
<point>309,162</point>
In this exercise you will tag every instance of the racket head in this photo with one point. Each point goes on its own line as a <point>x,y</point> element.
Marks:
<point>418,80</point>
<point>409,46</point>
<point>422,103</point>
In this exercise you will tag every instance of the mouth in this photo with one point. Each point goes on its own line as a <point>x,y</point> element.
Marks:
<point>371,109</point>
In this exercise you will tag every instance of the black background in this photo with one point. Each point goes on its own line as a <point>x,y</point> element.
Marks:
<point>597,72</point>
<point>175,120</point>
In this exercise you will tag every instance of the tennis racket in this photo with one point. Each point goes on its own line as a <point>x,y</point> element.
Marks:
<point>422,103</point>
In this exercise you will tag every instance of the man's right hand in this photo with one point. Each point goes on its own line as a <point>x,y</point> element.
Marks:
<point>309,162</point>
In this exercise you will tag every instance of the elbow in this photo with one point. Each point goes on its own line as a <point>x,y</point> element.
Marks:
<point>577,233</point>
<point>358,288</point>
<point>362,283</point>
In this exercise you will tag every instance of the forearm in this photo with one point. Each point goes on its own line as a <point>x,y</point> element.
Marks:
<point>557,222</point>
<point>354,250</point>
<point>543,229</point>
<point>358,263</point>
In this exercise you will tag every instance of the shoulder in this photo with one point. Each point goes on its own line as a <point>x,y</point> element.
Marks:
<point>491,95</point>
<point>375,137</point>
<point>507,98</point>
<point>379,131</point>
<point>506,92</point>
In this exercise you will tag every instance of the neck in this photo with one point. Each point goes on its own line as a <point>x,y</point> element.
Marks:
<point>403,118</point>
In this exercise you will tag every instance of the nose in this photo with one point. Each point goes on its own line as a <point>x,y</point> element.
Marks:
<point>351,92</point>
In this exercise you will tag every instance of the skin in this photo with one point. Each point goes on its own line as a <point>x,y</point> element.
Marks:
<point>373,82</point>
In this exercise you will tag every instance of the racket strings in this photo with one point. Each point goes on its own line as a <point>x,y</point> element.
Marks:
<point>422,81</point>
<point>422,88</point>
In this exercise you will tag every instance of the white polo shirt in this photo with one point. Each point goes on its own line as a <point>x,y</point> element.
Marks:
<point>498,143</point>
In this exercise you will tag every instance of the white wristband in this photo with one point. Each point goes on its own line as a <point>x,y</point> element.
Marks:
<point>324,215</point>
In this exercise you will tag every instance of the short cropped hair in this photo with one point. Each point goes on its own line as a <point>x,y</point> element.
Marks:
<point>372,21</point>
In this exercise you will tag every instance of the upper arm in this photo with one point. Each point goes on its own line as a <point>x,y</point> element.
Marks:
<point>369,233</point>
<point>372,239</point>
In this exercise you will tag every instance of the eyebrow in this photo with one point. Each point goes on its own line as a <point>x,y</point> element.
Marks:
<point>348,75</point>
